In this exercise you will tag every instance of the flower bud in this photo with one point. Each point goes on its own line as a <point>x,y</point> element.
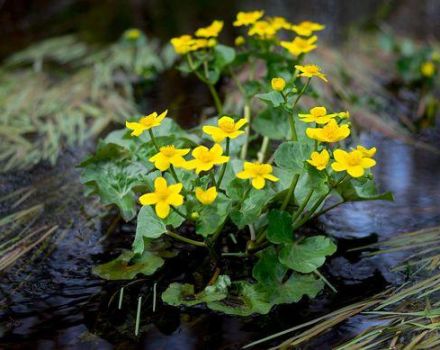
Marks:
<point>278,84</point>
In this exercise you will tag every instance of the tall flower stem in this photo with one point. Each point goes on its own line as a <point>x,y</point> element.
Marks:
<point>264,145</point>
<point>179,212</point>
<point>302,207</point>
<point>290,191</point>
<point>153,139</point>
<point>292,116</point>
<point>223,170</point>
<point>216,98</point>
<point>247,130</point>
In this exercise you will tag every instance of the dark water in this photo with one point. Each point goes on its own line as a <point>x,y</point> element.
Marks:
<point>55,302</point>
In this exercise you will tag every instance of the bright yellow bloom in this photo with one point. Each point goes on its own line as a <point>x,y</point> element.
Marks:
<point>182,44</point>
<point>208,196</point>
<point>197,44</point>
<point>307,28</point>
<point>299,45</point>
<point>319,160</point>
<point>163,197</point>
<point>205,159</point>
<point>310,71</point>
<point>169,155</point>
<point>278,84</point>
<point>262,29</point>
<point>258,172</point>
<point>210,31</point>
<point>317,115</point>
<point>354,163</point>
<point>239,40</point>
<point>246,18</point>
<point>227,127</point>
<point>279,23</point>
<point>132,34</point>
<point>145,123</point>
<point>367,153</point>
<point>331,132</point>
<point>427,69</point>
<point>344,115</point>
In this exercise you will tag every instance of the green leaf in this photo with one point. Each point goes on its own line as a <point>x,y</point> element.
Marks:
<point>272,98</point>
<point>251,207</point>
<point>307,255</point>
<point>272,123</point>
<point>361,190</point>
<point>127,266</point>
<point>268,270</point>
<point>212,217</point>
<point>224,55</point>
<point>279,229</point>
<point>183,294</point>
<point>149,225</point>
<point>292,155</point>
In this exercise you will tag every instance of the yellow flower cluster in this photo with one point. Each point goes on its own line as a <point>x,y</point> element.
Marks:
<point>204,38</point>
<point>204,159</point>
<point>354,162</point>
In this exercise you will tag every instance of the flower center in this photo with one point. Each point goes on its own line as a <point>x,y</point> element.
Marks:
<point>168,151</point>
<point>163,194</point>
<point>206,157</point>
<point>354,159</point>
<point>228,126</point>
<point>147,121</point>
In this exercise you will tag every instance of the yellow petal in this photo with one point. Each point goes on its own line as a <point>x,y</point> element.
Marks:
<point>162,116</point>
<point>148,199</point>
<point>160,184</point>
<point>176,188</point>
<point>356,171</point>
<point>258,182</point>
<point>244,175</point>
<point>162,209</point>
<point>271,178</point>
<point>240,123</point>
<point>340,156</point>
<point>338,167</point>
<point>368,162</point>
<point>175,199</point>
<point>162,163</point>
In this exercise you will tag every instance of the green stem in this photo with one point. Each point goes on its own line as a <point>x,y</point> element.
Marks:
<point>239,254</point>
<point>303,205</point>
<point>222,172</point>
<point>325,281</point>
<point>328,209</point>
<point>173,173</point>
<point>261,154</point>
<point>186,240</point>
<point>290,191</point>
<point>213,178</point>
<point>292,117</point>
<point>247,116</point>
<point>179,212</point>
<point>150,131</point>
<point>312,211</point>
<point>216,98</point>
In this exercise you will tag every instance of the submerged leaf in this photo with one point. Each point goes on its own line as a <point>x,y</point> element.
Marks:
<point>128,265</point>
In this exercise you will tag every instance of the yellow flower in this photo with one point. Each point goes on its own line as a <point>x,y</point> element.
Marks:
<point>354,163</point>
<point>319,160</point>
<point>344,115</point>
<point>227,127</point>
<point>210,31</point>
<point>132,34</point>
<point>331,132</point>
<point>246,18</point>
<point>279,23</point>
<point>310,71</point>
<point>197,44</point>
<point>299,45</point>
<point>169,155</point>
<point>278,84</point>
<point>427,69</point>
<point>205,159</point>
<point>307,28</point>
<point>208,196</point>
<point>163,197</point>
<point>239,40</point>
<point>258,172</point>
<point>145,123</point>
<point>367,153</point>
<point>182,44</point>
<point>317,115</point>
<point>262,29</point>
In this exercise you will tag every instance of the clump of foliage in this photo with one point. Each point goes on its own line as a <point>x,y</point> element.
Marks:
<point>260,178</point>
<point>72,92</point>
<point>416,68</point>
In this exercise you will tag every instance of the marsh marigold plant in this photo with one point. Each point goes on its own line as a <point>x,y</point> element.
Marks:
<point>244,182</point>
